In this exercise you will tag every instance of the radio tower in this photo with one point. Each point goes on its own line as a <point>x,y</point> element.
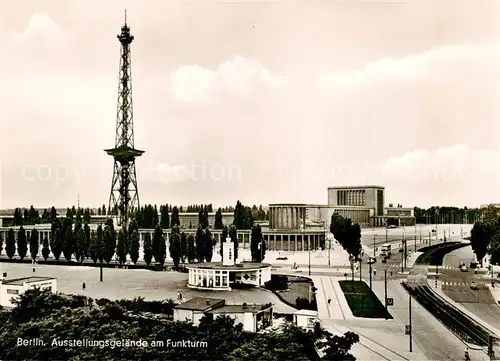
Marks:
<point>124,197</point>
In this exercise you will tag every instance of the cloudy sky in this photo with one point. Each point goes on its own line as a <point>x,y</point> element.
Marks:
<point>262,102</point>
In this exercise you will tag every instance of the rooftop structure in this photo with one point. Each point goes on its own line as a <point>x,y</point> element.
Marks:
<point>23,280</point>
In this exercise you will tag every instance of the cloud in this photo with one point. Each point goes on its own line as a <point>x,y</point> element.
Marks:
<point>418,101</point>
<point>195,84</point>
<point>41,28</point>
<point>447,62</point>
<point>455,172</point>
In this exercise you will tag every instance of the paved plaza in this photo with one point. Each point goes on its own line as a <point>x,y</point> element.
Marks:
<point>129,283</point>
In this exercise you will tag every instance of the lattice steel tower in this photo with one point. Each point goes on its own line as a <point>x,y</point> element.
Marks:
<point>124,197</point>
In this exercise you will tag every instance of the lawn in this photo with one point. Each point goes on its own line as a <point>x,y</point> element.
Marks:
<point>362,300</point>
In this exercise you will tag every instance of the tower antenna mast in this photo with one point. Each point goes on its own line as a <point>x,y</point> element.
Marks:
<point>124,197</point>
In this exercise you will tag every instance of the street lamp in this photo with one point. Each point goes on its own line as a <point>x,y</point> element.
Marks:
<point>370,263</point>
<point>374,246</point>
<point>385,293</point>
<point>409,320</point>
<point>330,239</point>
<point>309,251</point>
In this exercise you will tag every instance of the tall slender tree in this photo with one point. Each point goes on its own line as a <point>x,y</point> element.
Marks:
<point>183,247</point>
<point>22,246</point>
<point>218,223</point>
<point>109,243</point>
<point>233,233</point>
<point>121,245</point>
<point>157,248</point>
<point>134,246</point>
<point>175,248</point>
<point>10,244</point>
<point>45,249</point>
<point>175,219</point>
<point>86,230</point>
<point>34,244</point>
<point>148,249</point>
<point>257,245</point>
<point>95,247</point>
<point>200,244</point>
<point>190,248</point>
<point>209,245</point>
<point>164,217</point>
<point>69,243</point>
<point>81,245</point>
<point>56,244</point>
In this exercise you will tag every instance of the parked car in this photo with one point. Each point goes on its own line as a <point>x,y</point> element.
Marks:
<point>474,286</point>
<point>372,260</point>
<point>464,268</point>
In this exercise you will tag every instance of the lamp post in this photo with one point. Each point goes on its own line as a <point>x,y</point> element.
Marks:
<point>374,246</point>
<point>409,320</point>
<point>385,293</point>
<point>309,252</point>
<point>370,274</point>
<point>330,239</point>
<point>403,260</point>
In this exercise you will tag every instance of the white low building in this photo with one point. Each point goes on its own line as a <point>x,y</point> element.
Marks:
<point>305,318</point>
<point>252,317</point>
<point>219,276</point>
<point>12,288</point>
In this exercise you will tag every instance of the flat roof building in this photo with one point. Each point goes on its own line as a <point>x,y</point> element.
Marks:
<point>252,317</point>
<point>13,288</point>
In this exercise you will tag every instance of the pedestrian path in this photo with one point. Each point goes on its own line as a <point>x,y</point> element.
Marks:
<point>326,289</point>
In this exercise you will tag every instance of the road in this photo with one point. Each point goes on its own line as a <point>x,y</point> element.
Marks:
<point>413,234</point>
<point>456,285</point>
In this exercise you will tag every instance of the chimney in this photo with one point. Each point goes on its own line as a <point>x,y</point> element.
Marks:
<point>244,306</point>
<point>208,302</point>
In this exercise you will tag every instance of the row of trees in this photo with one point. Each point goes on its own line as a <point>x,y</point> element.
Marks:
<point>447,215</point>
<point>61,317</point>
<point>348,235</point>
<point>148,216</point>
<point>31,216</point>
<point>80,243</point>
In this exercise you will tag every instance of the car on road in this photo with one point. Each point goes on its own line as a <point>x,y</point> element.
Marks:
<point>463,268</point>
<point>474,286</point>
<point>372,260</point>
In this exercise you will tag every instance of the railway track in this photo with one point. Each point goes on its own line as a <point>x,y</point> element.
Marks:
<point>460,324</point>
